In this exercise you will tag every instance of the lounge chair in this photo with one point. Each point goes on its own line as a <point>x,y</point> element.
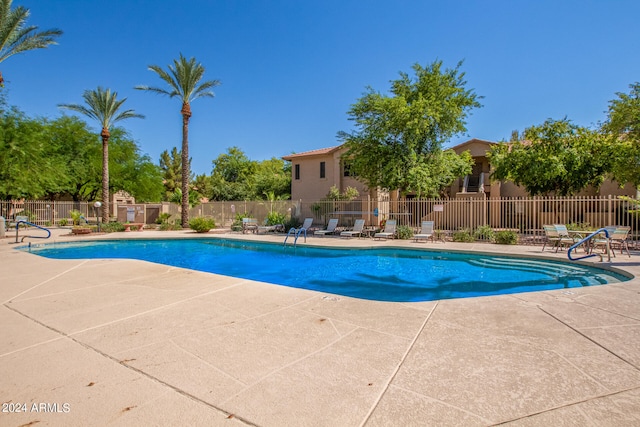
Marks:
<point>276,228</point>
<point>357,230</point>
<point>331,228</point>
<point>306,226</point>
<point>426,231</point>
<point>389,230</point>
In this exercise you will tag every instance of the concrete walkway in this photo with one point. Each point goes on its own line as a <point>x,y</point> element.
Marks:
<point>123,342</point>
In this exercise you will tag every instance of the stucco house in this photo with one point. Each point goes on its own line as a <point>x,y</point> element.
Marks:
<point>315,172</point>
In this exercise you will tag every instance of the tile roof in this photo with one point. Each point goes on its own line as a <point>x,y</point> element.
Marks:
<point>317,152</point>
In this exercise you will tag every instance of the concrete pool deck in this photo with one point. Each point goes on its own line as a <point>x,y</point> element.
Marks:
<point>124,342</point>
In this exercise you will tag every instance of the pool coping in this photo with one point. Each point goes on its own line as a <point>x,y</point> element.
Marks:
<point>525,359</point>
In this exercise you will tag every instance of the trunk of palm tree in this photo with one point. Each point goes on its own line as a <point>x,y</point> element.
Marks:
<point>105,174</point>
<point>186,115</point>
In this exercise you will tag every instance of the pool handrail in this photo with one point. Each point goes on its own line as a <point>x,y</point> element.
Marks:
<point>33,225</point>
<point>296,232</point>
<point>586,239</point>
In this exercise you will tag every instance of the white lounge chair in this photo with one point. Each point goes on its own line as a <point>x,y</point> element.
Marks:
<point>331,228</point>
<point>426,231</point>
<point>389,230</point>
<point>357,230</point>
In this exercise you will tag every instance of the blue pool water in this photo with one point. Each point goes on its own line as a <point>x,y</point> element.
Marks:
<point>376,274</point>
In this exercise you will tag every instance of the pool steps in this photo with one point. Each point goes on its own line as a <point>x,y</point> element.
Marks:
<point>537,266</point>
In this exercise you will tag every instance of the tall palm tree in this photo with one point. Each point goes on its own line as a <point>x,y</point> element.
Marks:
<point>183,79</point>
<point>16,37</point>
<point>103,106</point>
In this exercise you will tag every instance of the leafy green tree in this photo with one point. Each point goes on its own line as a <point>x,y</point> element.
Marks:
<point>177,198</point>
<point>202,186</point>
<point>623,125</point>
<point>183,79</point>
<point>624,114</point>
<point>556,157</point>
<point>103,106</point>
<point>398,139</point>
<point>76,151</point>
<point>133,171</point>
<point>171,166</point>
<point>27,169</point>
<point>233,176</point>
<point>273,176</point>
<point>16,36</point>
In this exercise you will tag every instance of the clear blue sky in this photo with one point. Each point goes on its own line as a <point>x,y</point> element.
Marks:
<point>291,69</point>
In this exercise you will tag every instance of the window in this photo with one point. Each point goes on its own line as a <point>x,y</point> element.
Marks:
<point>322,169</point>
<point>297,171</point>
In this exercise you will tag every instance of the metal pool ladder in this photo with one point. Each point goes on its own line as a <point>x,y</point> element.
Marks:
<point>296,232</point>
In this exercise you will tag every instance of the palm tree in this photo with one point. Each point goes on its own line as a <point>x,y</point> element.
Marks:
<point>16,37</point>
<point>183,79</point>
<point>103,106</point>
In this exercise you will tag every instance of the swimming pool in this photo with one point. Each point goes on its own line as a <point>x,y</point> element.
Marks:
<point>384,274</point>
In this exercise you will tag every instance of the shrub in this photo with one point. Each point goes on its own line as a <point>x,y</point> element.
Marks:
<point>63,222</point>
<point>202,224</point>
<point>580,226</point>
<point>484,232</point>
<point>463,235</point>
<point>506,238</point>
<point>163,218</point>
<point>76,216</point>
<point>112,227</point>
<point>404,232</point>
<point>169,227</point>
<point>275,218</point>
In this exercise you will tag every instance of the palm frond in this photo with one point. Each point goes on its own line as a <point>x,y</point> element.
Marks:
<point>15,37</point>
<point>157,90</point>
<point>103,106</point>
<point>183,78</point>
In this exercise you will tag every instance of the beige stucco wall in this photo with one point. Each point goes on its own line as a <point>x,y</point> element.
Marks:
<point>311,187</point>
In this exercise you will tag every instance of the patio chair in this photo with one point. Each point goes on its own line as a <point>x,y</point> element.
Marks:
<point>389,230</point>
<point>249,225</point>
<point>426,232</point>
<point>357,230</point>
<point>552,235</point>
<point>331,228</point>
<point>617,238</point>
